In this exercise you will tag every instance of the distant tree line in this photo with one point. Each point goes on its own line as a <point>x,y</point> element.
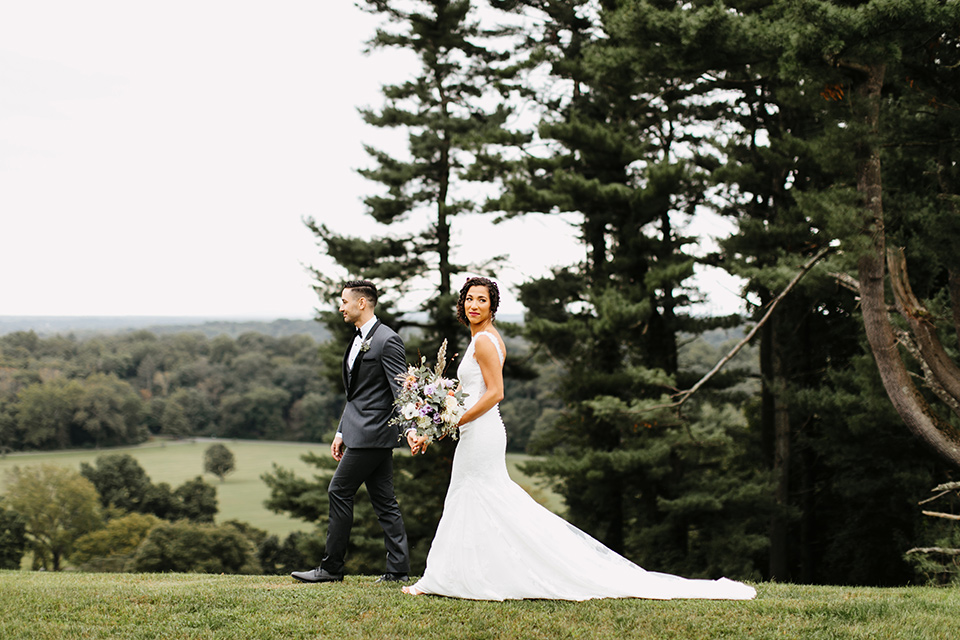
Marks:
<point>62,392</point>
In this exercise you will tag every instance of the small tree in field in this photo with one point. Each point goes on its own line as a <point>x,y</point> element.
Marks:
<point>218,460</point>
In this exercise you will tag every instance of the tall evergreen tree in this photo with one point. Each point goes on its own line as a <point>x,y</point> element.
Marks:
<point>626,160</point>
<point>452,111</point>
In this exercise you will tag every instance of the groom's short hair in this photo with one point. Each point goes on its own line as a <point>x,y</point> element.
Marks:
<point>364,289</point>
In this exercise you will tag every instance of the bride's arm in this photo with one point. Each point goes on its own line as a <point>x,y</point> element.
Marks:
<point>489,361</point>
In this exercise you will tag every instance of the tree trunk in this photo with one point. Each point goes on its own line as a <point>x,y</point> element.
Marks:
<point>955,299</point>
<point>905,397</point>
<point>779,527</point>
<point>808,522</point>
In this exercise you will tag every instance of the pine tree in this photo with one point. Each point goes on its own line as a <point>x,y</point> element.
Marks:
<point>453,111</point>
<point>626,160</point>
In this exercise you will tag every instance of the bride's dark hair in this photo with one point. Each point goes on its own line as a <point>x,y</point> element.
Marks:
<point>478,282</point>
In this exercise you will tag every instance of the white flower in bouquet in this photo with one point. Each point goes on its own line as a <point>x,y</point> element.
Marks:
<point>409,411</point>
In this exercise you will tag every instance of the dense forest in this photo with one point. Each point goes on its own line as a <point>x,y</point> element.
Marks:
<point>825,133</point>
<point>109,390</point>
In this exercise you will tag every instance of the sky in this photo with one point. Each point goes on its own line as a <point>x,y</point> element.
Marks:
<point>159,158</point>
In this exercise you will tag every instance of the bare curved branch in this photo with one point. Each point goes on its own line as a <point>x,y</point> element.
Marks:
<point>943,370</point>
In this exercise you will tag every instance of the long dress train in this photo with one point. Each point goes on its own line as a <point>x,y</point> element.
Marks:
<point>495,542</point>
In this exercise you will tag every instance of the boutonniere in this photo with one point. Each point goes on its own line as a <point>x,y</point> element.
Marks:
<point>365,346</point>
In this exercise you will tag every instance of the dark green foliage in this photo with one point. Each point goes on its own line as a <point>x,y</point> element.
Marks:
<point>120,481</point>
<point>219,460</point>
<point>196,548</point>
<point>867,475</point>
<point>626,161</point>
<point>109,411</point>
<point>13,538</point>
<point>110,549</point>
<point>197,500</point>
<point>124,487</point>
<point>633,138</point>
<point>161,502</point>
<point>278,558</point>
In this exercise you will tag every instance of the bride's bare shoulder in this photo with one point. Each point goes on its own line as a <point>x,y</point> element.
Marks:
<point>495,342</point>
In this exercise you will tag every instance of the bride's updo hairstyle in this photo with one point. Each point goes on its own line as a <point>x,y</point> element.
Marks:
<point>478,282</point>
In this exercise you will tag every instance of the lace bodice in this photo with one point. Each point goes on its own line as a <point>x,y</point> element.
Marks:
<point>469,372</point>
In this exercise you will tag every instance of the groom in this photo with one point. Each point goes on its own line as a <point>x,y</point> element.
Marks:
<point>365,441</point>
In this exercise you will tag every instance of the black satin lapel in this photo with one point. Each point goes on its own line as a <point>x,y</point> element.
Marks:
<point>353,372</point>
<point>346,359</point>
<point>376,325</point>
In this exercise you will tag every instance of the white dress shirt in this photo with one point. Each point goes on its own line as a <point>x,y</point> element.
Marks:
<point>358,341</point>
<point>355,346</point>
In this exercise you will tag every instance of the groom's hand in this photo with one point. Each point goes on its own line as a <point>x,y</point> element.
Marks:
<point>336,449</point>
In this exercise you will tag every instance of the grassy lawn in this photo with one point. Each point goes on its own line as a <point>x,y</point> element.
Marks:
<point>71,605</point>
<point>241,495</point>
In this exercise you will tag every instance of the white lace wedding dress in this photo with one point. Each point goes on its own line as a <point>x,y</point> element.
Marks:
<point>495,542</point>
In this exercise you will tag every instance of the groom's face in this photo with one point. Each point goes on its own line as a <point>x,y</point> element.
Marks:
<point>350,306</point>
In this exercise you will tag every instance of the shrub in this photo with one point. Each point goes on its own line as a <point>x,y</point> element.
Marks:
<point>185,547</point>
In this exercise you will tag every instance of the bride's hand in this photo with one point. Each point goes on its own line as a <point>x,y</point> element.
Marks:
<point>418,444</point>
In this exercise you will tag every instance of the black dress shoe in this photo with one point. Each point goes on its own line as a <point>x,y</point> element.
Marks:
<point>393,577</point>
<point>316,575</point>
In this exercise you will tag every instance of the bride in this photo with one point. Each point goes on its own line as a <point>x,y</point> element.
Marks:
<point>495,542</point>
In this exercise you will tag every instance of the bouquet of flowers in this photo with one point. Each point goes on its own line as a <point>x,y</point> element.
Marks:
<point>428,402</point>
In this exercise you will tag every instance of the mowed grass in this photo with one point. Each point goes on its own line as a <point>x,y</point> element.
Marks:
<point>241,495</point>
<point>40,605</point>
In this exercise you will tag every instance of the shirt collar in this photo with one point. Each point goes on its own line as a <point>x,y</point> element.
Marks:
<point>367,326</point>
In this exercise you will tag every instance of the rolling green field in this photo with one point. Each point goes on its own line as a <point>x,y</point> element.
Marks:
<point>241,495</point>
<point>41,606</point>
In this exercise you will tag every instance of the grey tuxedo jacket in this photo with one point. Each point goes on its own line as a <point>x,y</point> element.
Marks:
<point>371,388</point>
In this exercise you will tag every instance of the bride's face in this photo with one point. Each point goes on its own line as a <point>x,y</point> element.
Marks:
<point>477,305</point>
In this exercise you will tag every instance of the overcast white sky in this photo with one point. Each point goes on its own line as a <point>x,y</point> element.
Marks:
<point>157,158</point>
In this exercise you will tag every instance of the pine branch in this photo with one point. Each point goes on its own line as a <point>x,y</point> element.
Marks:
<point>685,395</point>
<point>940,550</point>
<point>939,514</point>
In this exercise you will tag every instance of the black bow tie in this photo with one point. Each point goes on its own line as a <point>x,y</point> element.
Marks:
<point>358,333</point>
